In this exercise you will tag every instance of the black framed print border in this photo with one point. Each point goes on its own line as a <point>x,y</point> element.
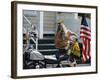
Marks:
<point>43,63</point>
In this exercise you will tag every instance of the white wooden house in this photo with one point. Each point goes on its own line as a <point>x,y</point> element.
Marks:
<point>46,21</point>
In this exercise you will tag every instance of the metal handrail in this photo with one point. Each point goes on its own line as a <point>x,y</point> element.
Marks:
<point>35,41</point>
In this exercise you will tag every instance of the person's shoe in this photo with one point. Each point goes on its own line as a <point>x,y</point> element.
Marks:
<point>58,66</point>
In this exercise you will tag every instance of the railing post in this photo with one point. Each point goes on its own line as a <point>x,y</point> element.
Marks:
<point>36,40</point>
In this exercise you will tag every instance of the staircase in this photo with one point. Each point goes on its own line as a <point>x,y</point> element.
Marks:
<point>46,45</point>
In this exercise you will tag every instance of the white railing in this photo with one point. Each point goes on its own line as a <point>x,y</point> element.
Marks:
<point>34,39</point>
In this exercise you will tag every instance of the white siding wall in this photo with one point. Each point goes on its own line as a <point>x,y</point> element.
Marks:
<point>49,22</point>
<point>32,16</point>
<point>71,20</point>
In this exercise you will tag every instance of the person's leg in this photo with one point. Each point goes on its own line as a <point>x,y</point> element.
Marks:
<point>60,56</point>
